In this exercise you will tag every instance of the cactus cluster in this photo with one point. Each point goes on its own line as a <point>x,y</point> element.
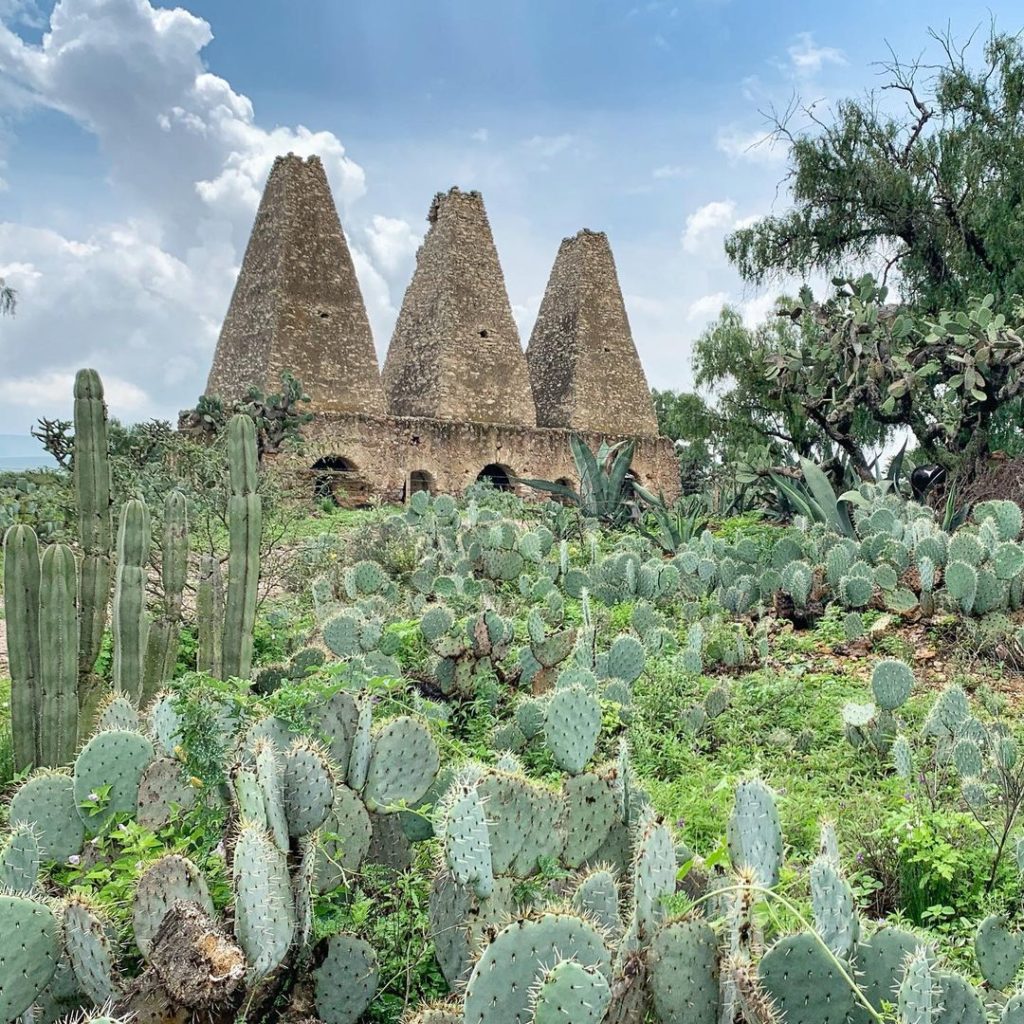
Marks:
<point>306,812</point>
<point>56,606</point>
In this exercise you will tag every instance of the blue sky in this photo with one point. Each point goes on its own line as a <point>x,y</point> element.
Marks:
<point>134,141</point>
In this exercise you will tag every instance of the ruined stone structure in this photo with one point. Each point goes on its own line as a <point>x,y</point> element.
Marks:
<point>458,400</point>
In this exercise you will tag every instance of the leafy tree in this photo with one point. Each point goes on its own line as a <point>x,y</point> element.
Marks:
<point>934,188</point>
<point>750,420</point>
<point>864,368</point>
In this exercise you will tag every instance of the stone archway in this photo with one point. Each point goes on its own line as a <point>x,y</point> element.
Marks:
<point>421,480</point>
<point>337,479</point>
<point>498,476</point>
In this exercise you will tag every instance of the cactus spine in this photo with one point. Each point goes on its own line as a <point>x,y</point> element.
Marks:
<point>162,646</point>
<point>56,712</point>
<point>131,624</point>
<point>245,522</point>
<point>95,532</point>
<point>21,607</point>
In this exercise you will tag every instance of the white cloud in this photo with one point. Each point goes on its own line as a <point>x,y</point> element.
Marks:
<point>756,310</point>
<point>707,306</point>
<point>480,135</point>
<point>709,221</point>
<point>669,171</point>
<point>753,146</point>
<point>547,146</point>
<point>142,299</point>
<point>177,136</point>
<point>54,389</point>
<point>807,58</point>
<point>22,12</point>
<point>393,243</point>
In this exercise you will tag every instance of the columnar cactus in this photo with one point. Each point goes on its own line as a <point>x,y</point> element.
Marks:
<point>131,623</point>
<point>162,646</point>
<point>210,617</point>
<point>95,531</point>
<point>21,608</point>
<point>245,524</point>
<point>56,713</point>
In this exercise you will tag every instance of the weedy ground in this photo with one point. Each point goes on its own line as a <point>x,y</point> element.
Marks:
<point>913,858</point>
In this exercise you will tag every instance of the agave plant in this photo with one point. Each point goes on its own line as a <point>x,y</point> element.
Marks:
<point>815,499</point>
<point>607,491</point>
<point>674,526</point>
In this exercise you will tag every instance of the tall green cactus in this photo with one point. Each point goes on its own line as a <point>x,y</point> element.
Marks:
<point>21,608</point>
<point>95,532</point>
<point>41,606</point>
<point>162,646</point>
<point>131,624</point>
<point>245,523</point>
<point>56,710</point>
<point>210,616</point>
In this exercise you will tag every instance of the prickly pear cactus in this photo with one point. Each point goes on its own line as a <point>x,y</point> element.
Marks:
<point>404,760</point>
<point>117,712</point>
<point>28,962</point>
<point>999,951</point>
<point>308,788</point>
<point>346,981</point>
<point>461,922</point>
<point>804,982</point>
<point>754,834</point>
<point>89,948</point>
<point>270,776</point>
<point>571,727</point>
<point>46,803</point>
<point>597,896</point>
<point>625,659</point>
<point>589,814</point>
<point>466,842</point>
<point>683,973</point>
<point>835,913</point>
<point>19,861</point>
<point>654,875</point>
<point>569,993</point>
<point>264,909</point>
<point>163,793</point>
<point>349,821</point>
<point>523,822</point>
<point>1013,1011</point>
<point>362,746</point>
<point>881,961</point>
<point>112,763</point>
<point>891,682</point>
<point>919,1000</point>
<point>512,965</point>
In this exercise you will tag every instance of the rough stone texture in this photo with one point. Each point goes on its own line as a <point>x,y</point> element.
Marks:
<point>584,367</point>
<point>459,391</point>
<point>455,353</point>
<point>297,304</point>
<point>384,453</point>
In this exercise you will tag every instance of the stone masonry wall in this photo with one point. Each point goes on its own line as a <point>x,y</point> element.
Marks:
<point>297,304</point>
<point>455,353</point>
<point>384,452</point>
<point>584,367</point>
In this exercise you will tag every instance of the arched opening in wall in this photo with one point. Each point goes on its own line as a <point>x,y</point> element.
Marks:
<point>337,479</point>
<point>498,476</point>
<point>421,480</point>
<point>570,484</point>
